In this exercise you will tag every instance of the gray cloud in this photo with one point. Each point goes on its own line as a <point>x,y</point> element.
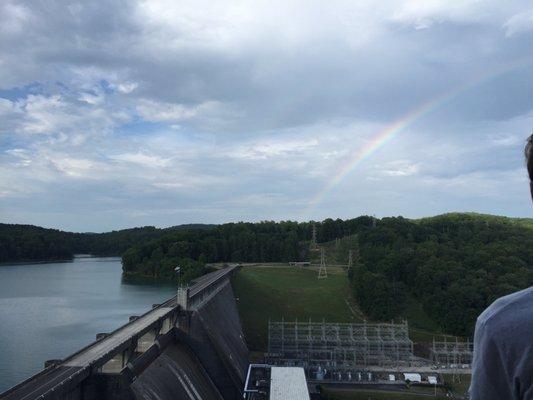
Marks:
<point>116,114</point>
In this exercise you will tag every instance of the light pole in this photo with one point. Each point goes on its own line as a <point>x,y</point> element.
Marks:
<point>177,270</point>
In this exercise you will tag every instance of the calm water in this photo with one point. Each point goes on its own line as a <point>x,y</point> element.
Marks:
<point>51,310</point>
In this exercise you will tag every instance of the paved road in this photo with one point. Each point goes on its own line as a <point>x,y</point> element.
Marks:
<point>101,348</point>
<point>41,384</point>
<point>206,280</point>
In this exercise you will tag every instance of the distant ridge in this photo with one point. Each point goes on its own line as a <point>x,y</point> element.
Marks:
<point>22,242</point>
<point>527,222</point>
<point>170,228</point>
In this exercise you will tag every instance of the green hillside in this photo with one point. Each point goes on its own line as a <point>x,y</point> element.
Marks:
<point>266,292</point>
<point>453,265</point>
<point>439,272</point>
<point>524,222</point>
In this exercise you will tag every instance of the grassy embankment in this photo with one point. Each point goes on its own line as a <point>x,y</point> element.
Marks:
<point>274,293</point>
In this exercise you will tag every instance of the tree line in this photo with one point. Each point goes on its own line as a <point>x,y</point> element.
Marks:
<point>19,243</point>
<point>265,241</point>
<point>455,265</point>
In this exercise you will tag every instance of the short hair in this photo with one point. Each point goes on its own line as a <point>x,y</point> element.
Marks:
<point>529,157</point>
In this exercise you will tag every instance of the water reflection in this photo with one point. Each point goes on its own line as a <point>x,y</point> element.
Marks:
<point>50,310</point>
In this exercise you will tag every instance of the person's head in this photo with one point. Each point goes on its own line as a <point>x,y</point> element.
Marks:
<point>529,162</point>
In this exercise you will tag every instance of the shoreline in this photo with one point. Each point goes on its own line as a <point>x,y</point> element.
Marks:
<point>53,261</point>
<point>130,277</point>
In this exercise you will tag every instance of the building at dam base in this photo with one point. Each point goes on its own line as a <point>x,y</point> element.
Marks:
<point>265,382</point>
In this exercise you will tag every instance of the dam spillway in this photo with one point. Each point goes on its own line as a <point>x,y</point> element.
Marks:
<point>175,374</point>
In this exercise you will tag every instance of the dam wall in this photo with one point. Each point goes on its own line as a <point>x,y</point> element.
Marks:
<point>208,361</point>
<point>175,374</point>
<point>216,337</point>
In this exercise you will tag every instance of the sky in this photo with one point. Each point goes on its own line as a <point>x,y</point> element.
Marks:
<point>115,114</point>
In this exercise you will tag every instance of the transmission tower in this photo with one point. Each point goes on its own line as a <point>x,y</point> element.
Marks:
<point>314,244</point>
<point>322,270</point>
<point>350,260</point>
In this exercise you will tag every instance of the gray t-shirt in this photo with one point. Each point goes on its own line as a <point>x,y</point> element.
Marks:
<point>503,350</point>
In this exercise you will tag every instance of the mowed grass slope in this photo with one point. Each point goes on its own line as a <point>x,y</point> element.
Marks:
<point>274,293</point>
<point>351,394</point>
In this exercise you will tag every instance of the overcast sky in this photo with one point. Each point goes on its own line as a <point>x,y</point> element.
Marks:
<point>117,114</point>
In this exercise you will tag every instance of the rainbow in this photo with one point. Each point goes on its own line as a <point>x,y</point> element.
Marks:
<point>392,130</point>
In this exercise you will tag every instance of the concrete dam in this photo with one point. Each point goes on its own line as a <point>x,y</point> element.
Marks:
<point>190,347</point>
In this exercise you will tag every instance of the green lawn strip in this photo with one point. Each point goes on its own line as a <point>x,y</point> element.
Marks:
<point>357,394</point>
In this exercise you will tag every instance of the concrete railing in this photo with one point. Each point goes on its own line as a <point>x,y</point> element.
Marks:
<point>205,288</point>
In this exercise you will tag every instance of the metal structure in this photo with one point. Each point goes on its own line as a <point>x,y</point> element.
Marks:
<point>350,260</point>
<point>322,270</point>
<point>314,243</point>
<point>452,352</point>
<point>339,345</point>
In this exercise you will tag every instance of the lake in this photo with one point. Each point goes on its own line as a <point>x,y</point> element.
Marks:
<point>48,311</point>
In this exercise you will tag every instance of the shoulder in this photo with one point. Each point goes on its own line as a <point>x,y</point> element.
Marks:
<point>509,311</point>
<point>502,347</point>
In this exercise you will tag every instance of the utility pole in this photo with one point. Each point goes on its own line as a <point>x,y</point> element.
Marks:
<point>322,270</point>
<point>313,239</point>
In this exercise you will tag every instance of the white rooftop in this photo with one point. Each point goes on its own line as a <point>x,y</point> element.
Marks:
<point>413,377</point>
<point>288,383</point>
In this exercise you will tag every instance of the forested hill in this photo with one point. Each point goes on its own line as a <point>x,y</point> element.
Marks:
<point>254,242</point>
<point>455,265</point>
<point>32,243</point>
<point>235,242</point>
